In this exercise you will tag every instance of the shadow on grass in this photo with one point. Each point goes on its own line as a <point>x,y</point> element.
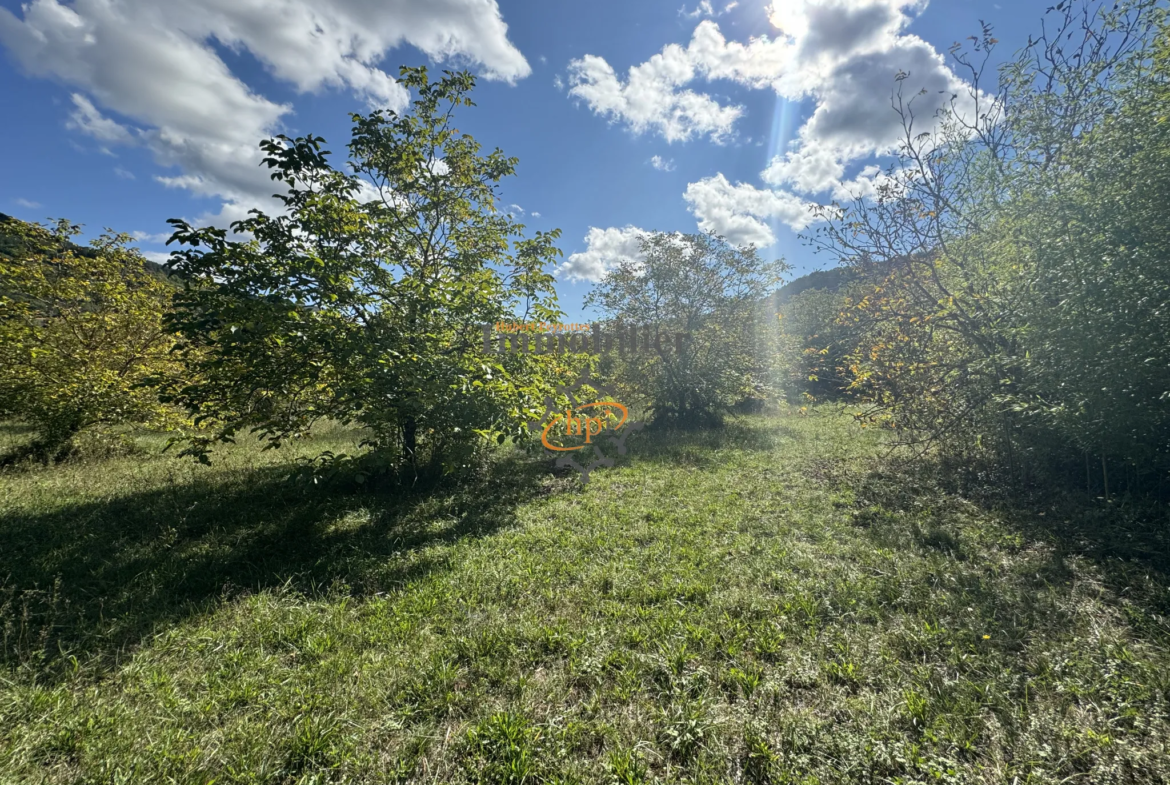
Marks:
<point>700,448</point>
<point>918,504</point>
<point>93,579</point>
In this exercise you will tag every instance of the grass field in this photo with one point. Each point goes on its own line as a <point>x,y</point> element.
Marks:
<point>774,602</point>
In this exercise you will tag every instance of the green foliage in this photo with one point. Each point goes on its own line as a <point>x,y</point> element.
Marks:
<point>815,343</point>
<point>503,750</point>
<point>364,302</point>
<point>1097,369</point>
<point>701,285</point>
<point>81,331</point>
<point>1015,293</point>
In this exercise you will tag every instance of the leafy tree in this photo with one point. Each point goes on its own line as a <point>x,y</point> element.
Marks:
<point>81,332</point>
<point>815,344</point>
<point>1015,259</point>
<point>701,285</point>
<point>365,301</point>
<point>1097,230</point>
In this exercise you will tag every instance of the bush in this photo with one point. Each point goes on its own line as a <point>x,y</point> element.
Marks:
<point>364,303</point>
<point>81,335</point>
<point>703,286</point>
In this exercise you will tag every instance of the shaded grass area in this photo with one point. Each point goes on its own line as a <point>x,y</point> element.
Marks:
<point>767,603</point>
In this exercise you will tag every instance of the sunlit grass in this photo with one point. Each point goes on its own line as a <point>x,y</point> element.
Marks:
<point>767,603</point>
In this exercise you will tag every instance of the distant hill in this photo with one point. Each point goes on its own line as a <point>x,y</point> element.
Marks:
<point>831,280</point>
<point>12,245</point>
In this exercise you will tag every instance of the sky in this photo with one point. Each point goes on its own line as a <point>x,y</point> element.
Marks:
<point>731,116</point>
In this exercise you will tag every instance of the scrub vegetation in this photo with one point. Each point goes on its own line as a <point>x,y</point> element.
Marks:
<point>272,513</point>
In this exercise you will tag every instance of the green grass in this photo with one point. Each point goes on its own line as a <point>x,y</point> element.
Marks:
<point>769,603</point>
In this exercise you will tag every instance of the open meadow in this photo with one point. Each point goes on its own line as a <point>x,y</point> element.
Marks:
<point>776,601</point>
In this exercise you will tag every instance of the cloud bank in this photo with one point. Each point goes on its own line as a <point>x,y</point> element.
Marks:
<point>846,56</point>
<point>154,66</point>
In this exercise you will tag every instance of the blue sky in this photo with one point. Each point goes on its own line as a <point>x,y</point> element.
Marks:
<point>626,116</point>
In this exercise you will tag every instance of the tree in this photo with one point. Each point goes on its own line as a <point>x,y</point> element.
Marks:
<point>701,285</point>
<point>1015,258</point>
<point>364,302</point>
<point>815,343</point>
<point>81,332</point>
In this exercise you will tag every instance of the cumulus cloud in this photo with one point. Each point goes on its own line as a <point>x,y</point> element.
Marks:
<point>650,99</point>
<point>845,55</point>
<point>741,212</point>
<point>154,65</point>
<point>811,168</point>
<point>146,237</point>
<point>662,164</point>
<point>868,183</point>
<point>604,250</point>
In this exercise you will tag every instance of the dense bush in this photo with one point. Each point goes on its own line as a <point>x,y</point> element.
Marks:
<point>1015,263</point>
<point>712,291</point>
<point>364,302</point>
<point>81,334</point>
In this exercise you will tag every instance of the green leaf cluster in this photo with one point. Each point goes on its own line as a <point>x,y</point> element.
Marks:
<point>363,302</point>
<point>82,333</point>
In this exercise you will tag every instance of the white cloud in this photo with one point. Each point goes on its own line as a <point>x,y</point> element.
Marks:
<point>650,98</point>
<point>558,83</point>
<point>845,55</point>
<point>868,183</point>
<point>702,9</point>
<point>811,168</point>
<point>88,119</point>
<point>145,237</point>
<point>161,257</point>
<point>740,212</point>
<point>125,174</point>
<point>535,214</point>
<point>605,249</point>
<point>664,165</point>
<point>154,64</point>
<point>30,204</point>
<point>516,209</point>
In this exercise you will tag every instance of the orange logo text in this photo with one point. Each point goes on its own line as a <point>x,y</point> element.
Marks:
<point>584,424</point>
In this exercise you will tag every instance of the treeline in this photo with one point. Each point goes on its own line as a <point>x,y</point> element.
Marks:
<point>1008,284</point>
<point>363,303</point>
<point>1003,296</point>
